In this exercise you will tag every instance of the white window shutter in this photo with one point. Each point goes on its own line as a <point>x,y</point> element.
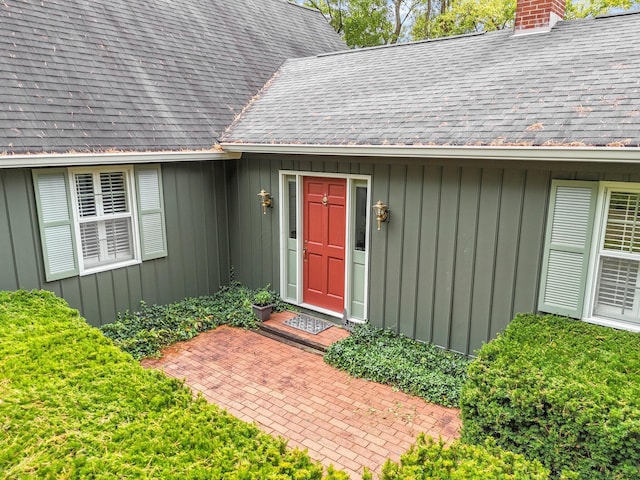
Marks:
<point>56,223</point>
<point>153,237</point>
<point>568,241</point>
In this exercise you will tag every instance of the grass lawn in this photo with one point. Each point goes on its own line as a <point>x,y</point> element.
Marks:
<point>72,405</point>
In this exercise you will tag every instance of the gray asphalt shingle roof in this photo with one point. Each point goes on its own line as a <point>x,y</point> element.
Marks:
<point>580,83</point>
<point>84,75</point>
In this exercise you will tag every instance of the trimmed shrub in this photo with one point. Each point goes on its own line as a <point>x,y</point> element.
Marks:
<point>416,368</point>
<point>145,332</point>
<point>74,406</point>
<point>428,459</point>
<point>562,391</point>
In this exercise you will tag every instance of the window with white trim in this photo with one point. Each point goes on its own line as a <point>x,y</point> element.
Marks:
<point>104,212</point>
<point>96,219</point>
<point>591,262</point>
<point>617,289</point>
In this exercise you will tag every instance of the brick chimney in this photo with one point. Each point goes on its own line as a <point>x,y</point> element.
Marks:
<point>537,16</point>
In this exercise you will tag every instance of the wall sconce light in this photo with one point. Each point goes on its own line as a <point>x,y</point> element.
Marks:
<point>381,212</point>
<point>265,200</point>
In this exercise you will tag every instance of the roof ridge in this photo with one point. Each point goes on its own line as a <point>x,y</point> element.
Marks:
<point>402,44</point>
<point>290,2</point>
<point>618,14</point>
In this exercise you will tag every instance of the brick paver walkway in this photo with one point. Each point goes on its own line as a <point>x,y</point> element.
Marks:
<point>347,422</point>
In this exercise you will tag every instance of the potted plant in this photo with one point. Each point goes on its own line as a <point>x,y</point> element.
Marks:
<point>262,304</point>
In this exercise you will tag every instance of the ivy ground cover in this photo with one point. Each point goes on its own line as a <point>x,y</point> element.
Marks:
<point>72,405</point>
<point>416,368</point>
<point>145,332</point>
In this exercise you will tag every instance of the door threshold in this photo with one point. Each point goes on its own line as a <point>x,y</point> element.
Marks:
<point>329,315</point>
<point>312,309</point>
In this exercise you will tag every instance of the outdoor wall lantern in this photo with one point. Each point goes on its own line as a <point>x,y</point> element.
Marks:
<point>265,200</point>
<point>381,212</point>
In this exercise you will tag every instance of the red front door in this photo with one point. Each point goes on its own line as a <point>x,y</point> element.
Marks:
<point>324,241</point>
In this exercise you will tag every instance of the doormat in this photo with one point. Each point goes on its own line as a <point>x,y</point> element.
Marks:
<point>308,324</point>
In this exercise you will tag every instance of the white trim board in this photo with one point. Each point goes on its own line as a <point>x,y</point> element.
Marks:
<point>545,154</point>
<point>97,159</point>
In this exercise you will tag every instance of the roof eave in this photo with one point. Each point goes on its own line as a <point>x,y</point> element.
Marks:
<point>526,153</point>
<point>78,159</point>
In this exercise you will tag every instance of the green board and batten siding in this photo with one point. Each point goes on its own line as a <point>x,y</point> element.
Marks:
<point>460,256</point>
<point>197,262</point>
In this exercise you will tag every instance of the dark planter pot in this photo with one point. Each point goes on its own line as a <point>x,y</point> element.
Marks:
<point>263,312</point>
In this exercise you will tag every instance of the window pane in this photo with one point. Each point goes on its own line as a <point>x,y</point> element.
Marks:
<point>90,240</point>
<point>85,194</point>
<point>622,233</point>
<point>292,208</point>
<point>361,218</point>
<point>617,295</point>
<point>114,198</point>
<point>118,239</point>
<point>105,242</point>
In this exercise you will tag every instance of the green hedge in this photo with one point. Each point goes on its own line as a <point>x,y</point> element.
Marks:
<point>74,406</point>
<point>145,332</point>
<point>562,391</point>
<point>417,368</point>
<point>428,459</point>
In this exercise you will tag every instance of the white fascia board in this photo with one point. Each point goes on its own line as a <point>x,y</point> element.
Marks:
<point>81,159</point>
<point>543,154</point>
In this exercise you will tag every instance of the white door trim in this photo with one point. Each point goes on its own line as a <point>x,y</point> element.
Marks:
<point>284,176</point>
